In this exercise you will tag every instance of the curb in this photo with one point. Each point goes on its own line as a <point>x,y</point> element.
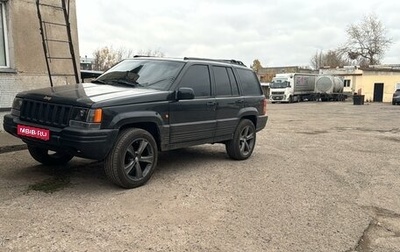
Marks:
<point>11,148</point>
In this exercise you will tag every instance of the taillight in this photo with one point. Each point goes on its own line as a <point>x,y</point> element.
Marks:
<point>264,106</point>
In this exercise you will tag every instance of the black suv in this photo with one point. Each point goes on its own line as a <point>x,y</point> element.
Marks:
<point>139,107</point>
<point>396,97</point>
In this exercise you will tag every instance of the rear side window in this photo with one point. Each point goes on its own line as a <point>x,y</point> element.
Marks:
<point>197,77</point>
<point>249,82</point>
<point>225,83</point>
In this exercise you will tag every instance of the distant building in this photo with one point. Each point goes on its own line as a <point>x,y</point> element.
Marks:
<point>86,63</point>
<point>22,60</point>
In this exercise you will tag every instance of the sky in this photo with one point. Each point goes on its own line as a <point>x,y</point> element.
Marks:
<point>276,32</point>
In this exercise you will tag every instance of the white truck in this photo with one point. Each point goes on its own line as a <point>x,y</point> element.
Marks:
<point>292,87</point>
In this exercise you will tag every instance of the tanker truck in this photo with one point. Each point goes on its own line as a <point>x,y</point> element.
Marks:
<point>292,87</point>
<point>329,88</point>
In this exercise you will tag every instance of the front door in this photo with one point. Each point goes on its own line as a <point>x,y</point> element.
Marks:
<point>193,121</point>
<point>378,92</point>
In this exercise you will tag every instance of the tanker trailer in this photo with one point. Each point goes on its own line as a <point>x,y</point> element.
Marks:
<point>329,88</point>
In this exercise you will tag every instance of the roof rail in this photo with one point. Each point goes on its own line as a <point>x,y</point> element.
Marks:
<point>231,61</point>
<point>142,56</point>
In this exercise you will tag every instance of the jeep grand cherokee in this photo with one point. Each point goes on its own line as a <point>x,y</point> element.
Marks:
<point>139,107</point>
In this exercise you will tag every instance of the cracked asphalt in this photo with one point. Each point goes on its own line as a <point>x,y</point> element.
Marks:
<point>323,177</point>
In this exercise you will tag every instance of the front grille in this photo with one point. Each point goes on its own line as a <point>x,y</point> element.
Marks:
<point>277,93</point>
<point>45,113</point>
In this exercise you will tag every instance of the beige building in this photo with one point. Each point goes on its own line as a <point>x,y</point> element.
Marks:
<point>376,83</point>
<point>22,58</point>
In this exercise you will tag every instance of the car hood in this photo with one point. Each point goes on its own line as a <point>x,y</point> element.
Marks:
<point>88,94</point>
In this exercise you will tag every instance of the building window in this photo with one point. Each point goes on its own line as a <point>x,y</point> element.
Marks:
<point>3,37</point>
<point>346,83</point>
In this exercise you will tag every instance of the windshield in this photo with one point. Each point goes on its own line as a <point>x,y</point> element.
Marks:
<point>146,73</point>
<point>279,84</point>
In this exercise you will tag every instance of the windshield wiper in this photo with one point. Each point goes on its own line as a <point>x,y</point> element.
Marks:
<point>158,81</point>
<point>126,83</point>
<point>98,81</point>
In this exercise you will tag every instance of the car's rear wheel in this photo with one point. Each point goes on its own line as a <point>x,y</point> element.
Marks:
<point>244,139</point>
<point>48,157</point>
<point>132,160</point>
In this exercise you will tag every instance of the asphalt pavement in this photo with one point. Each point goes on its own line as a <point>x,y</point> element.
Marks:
<point>324,177</point>
<point>9,143</point>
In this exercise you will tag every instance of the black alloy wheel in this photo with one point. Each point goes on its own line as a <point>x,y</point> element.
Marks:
<point>132,161</point>
<point>242,145</point>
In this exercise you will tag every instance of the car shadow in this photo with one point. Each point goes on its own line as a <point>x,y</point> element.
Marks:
<point>88,173</point>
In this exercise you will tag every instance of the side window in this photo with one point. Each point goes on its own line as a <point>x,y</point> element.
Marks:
<point>3,37</point>
<point>234,85</point>
<point>198,78</point>
<point>249,82</point>
<point>346,83</point>
<point>222,83</point>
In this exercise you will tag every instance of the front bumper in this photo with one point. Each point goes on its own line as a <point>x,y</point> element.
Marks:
<point>277,98</point>
<point>86,143</point>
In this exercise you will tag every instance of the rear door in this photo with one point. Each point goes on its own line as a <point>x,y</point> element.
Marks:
<point>228,102</point>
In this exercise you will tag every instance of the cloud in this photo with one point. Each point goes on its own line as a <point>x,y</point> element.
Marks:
<point>275,32</point>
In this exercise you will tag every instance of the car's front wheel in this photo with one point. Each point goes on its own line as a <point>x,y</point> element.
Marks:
<point>244,139</point>
<point>132,160</point>
<point>48,157</point>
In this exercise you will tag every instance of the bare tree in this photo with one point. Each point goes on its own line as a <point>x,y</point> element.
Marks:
<point>150,52</point>
<point>256,65</point>
<point>366,42</point>
<point>333,58</point>
<point>106,57</point>
<point>317,60</point>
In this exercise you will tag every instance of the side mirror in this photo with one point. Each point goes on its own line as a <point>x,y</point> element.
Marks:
<point>185,93</point>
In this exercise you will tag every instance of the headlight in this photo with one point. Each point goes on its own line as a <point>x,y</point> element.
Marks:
<point>16,106</point>
<point>86,118</point>
<point>79,114</point>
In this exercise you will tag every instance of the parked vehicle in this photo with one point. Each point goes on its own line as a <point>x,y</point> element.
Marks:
<point>396,97</point>
<point>329,88</point>
<point>139,107</point>
<point>292,87</point>
<point>296,87</point>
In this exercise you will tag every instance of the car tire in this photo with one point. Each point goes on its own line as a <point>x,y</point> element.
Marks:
<point>47,157</point>
<point>244,139</point>
<point>133,158</point>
